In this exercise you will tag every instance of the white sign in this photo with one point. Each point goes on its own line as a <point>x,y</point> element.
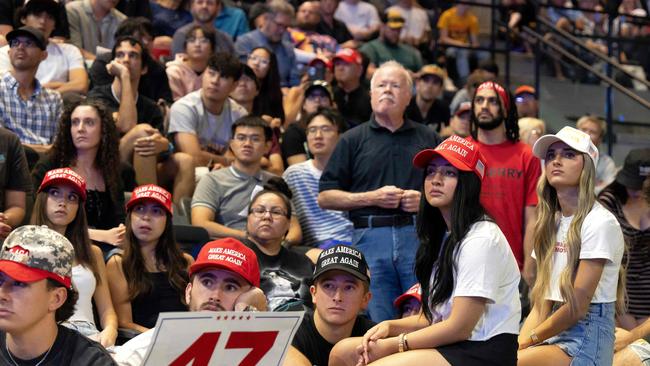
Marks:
<point>228,338</point>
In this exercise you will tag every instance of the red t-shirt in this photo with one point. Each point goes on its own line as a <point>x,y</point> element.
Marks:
<point>508,187</point>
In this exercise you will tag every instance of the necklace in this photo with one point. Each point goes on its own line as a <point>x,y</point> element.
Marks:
<point>16,363</point>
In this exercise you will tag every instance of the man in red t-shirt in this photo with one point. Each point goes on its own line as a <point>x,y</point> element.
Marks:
<point>508,190</point>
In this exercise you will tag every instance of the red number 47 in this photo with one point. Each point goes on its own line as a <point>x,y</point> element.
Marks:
<point>201,350</point>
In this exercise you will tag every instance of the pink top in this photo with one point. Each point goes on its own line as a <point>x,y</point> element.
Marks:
<point>182,79</point>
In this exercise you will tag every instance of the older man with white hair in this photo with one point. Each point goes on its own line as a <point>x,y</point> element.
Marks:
<point>369,175</point>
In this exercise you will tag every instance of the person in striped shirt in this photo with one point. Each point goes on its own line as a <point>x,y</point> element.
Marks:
<point>321,228</point>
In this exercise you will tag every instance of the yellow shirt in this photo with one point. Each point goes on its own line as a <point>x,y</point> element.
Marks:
<point>458,27</point>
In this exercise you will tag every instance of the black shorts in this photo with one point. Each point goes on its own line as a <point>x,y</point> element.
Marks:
<point>500,350</point>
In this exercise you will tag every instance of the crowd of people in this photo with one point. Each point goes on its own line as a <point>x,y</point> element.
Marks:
<point>325,146</point>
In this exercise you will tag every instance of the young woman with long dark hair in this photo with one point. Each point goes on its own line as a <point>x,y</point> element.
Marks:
<point>60,206</point>
<point>470,300</point>
<point>265,65</point>
<point>578,248</point>
<point>151,275</point>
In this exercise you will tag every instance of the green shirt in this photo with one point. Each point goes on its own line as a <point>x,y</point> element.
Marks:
<point>379,52</point>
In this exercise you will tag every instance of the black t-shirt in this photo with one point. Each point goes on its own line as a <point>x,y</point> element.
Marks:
<point>285,278</point>
<point>147,109</point>
<point>162,297</point>
<point>154,84</point>
<point>355,106</point>
<point>316,348</point>
<point>370,156</point>
<point>437,116</point>
<point>14,173</point>
<point>294,142</point>
<point>339,31</point>
<point>69,348</point>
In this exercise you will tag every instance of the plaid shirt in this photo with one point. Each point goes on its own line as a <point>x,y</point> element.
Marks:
<point>34,120</point>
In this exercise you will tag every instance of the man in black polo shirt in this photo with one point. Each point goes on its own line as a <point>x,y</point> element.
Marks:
<point>426,107</point>
<point>350,94</point>
<point>339,293</point>
<point>369,176</point>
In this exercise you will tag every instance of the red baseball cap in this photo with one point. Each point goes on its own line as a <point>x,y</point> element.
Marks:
<point>349,55</point>
<point>65,176</point>
<point>151,192</point>
<point>414,292</point>
<point>319,60</point>
<point>459,152</point>
<point>229,254</point>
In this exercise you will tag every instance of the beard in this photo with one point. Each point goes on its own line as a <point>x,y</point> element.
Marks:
<point>490,125</point>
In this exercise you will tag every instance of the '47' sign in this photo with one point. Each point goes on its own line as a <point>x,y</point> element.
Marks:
<point>223,338</point>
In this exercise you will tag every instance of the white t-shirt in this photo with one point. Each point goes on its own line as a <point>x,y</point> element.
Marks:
<point>61,58</point>
<point>357,16</point>
<point>602,238</point>
<point>486,268</point>
<point>416,21</point>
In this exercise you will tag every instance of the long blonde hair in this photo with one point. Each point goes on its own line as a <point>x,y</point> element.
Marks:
<point>548,215</point>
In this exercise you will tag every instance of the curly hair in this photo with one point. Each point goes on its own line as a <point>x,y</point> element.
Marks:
<point>66,310</point>
<point>64,152</point>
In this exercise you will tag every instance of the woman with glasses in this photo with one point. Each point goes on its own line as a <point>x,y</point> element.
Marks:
<point>470,298</point>
<point>285,274</point>
<point>269,100</point>
<point>186,71</point>
<point>152,261</point>
<point>60,206</point>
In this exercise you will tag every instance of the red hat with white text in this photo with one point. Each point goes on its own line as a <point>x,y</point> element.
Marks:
<point>463,154</point>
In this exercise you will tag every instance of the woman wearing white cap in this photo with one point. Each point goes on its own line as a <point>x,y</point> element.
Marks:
<point>470,299</point>
<point>59,204</point>
<point>578,248</point>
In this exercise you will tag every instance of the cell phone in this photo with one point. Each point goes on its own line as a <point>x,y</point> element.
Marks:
<point>316,72</point>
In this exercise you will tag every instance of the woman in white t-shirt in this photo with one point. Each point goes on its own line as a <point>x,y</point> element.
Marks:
<point>578,247</point>
<point>470,300</point>
<point>59,204</point>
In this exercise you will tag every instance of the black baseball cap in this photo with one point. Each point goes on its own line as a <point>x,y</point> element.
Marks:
<point>635,169</point>
<point>30,32</point>
<point>343,258</point>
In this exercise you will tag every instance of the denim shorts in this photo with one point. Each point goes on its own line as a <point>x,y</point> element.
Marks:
<point>641,348</point>
<point>590,342</point>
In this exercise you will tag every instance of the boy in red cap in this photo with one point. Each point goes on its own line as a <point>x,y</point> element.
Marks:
<point>225,277</point>
<point>36,295</point>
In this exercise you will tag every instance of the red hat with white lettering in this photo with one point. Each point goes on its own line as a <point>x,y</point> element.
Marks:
<point>151,192</point>
<point>229,254</point>
<point>459,152</point>
<point>64,176</point>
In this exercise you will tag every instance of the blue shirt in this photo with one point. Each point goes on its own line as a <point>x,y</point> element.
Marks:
<point>283,51</point>
<point>232,21</point>
<point>34,120</point>
<point>167,21</point>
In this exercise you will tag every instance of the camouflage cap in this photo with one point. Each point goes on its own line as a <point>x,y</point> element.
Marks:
<point>32,253</point>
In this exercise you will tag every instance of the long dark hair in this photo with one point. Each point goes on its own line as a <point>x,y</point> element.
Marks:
<point>76,231</point>
<point>465,211</point>
<point>64,153</point>
<point>510,118</point>
<point>269,100</point>
<point>169,258</point>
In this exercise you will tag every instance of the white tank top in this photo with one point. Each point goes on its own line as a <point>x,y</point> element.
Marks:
<point>83,280</point>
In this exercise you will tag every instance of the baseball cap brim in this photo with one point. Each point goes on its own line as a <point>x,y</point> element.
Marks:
<point>422,159</point>
<point>62,180</point>
<point>343,268</point>
<point>23,273</point>
<point>198,267</point>
<point>543,143</point>
<point>22,32</point>
<point>403,297</point>
<point>634,182</point>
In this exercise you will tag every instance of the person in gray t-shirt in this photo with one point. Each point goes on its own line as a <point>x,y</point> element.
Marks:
<point>220,202</point>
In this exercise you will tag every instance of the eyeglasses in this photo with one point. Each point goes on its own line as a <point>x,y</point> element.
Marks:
<point>25,42</point>
<point>312,130</point>
<point>445,171</point>
<point>260,60</point>
<point>256,139</point>
<point>275,212</point>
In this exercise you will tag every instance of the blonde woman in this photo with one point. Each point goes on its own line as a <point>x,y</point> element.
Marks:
<point>578,248</point>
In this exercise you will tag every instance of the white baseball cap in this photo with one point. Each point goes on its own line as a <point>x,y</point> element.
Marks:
<point>576,139</point>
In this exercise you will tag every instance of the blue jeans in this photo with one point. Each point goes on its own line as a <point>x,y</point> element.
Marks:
<point>462,59</point>
<point>590,342</point>
<point>390,253</point>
